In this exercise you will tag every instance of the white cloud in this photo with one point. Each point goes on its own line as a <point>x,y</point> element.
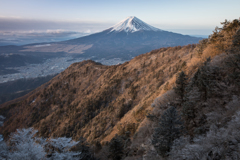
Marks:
<point>19,24</point>
<point>37,36</point>
<point>88,31</point>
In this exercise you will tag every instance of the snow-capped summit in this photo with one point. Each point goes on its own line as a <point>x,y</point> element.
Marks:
<point>132,24</point>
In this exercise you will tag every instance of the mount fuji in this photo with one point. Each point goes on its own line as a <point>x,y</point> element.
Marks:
<point>132,24</point>
<point>117,44</point>
<point>124,40</point>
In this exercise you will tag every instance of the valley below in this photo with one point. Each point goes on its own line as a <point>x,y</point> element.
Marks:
<point>37,73</point>
<point>51,66</point>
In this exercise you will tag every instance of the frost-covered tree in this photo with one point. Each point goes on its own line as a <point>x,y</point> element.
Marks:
<point>24,144</point>
<point>218,144</point>
<point>170,128</point>
<point>59,148</point>
<point>3,150</point>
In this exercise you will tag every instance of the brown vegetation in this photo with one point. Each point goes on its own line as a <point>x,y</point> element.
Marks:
<point>97,102</point>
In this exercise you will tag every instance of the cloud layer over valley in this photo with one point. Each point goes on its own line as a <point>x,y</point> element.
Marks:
<point>18,31</point>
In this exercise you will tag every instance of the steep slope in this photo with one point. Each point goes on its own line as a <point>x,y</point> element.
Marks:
<point>98,102</point>
<point>210,107</point>
<point>89,94</point>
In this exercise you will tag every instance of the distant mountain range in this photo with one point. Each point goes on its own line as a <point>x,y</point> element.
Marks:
<point>125,40</point>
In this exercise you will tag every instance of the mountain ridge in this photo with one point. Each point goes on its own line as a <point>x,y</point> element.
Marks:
<point>125,102</point>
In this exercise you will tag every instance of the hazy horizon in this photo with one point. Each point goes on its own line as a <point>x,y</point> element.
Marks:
<point>20,32</point>
<point>40,21</point>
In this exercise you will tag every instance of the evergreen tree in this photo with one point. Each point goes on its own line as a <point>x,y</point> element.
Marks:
<point>181,83</point>
<point>192,96</point>
<point>233,64</point>
<point>116,149</point>
<point>236,42</point>
<point>170,128</point>
<point>205,78</point>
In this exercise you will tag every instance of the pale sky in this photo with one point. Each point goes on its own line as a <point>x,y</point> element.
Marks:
<point>192,17</point>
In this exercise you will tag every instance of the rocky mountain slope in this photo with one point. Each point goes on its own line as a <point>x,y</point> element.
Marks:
<point>97,102</point>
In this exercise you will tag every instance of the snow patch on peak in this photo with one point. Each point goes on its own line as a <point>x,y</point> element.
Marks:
<point>132,24</point>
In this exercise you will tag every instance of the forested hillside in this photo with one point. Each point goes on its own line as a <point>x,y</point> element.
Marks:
<point>171,103</point>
